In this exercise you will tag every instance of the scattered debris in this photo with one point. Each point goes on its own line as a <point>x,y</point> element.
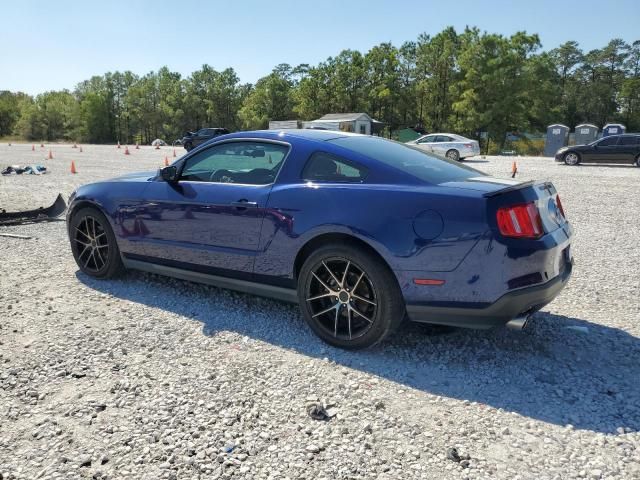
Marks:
<point>318,411</point>
<point>39,214</point>
<point>28,169</point>
<point>453,455</point>
<point>13,235</point>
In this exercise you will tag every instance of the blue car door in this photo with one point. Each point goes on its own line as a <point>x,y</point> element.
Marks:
<point>210,219</point>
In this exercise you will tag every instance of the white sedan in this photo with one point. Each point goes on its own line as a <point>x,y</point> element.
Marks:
<point>454,147</point>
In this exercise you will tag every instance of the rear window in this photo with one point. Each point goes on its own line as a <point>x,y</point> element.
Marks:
<point>408,159</point>
<point>324,167</point>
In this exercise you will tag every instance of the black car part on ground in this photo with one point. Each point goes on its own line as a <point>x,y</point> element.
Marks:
<point>38,215</point>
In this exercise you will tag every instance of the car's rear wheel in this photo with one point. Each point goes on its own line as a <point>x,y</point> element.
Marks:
<point>453,154</point>
<point>348,297</point>
<point>638,161</point>
<point>93,244</point>
<point>572,158</point>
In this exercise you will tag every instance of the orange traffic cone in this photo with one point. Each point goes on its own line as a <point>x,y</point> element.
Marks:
<point>73,167</point>
<point>33,148</point>
<point>137,146</point>
<point>80,148</point>
<point>157,147</point>
<point>126,150</point>
<point>118,143</point>
<point>166,161</point>
<point>74,146</point>
<point>514,170</point>
<point>50,155</point>
<point>174,153</point>
<point>42,145</point>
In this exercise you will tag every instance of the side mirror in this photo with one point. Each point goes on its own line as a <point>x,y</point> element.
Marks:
<point>169,174</point>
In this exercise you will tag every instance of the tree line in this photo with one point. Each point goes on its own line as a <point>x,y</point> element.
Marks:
<point>468,82</point>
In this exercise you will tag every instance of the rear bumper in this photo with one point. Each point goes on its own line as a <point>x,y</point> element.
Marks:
<point>524,301</point>
<point>469,152</point>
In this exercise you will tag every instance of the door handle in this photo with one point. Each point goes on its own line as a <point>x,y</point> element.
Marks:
<point>244,204</point>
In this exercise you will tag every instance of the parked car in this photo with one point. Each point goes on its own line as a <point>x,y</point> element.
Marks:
<point>192,139</point>
<point>612,149</point>
<point>454,147</point>
<point>358,230</point>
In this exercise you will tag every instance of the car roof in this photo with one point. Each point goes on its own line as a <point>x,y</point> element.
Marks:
<point>454,135</point>
<point>621,135</point>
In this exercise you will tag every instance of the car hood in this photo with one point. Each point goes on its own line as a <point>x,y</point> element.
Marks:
<point>482,184</point>
<point>574,147</point>
<point>135,177</point>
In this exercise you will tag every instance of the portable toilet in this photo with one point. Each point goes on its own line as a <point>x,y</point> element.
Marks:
<point>613,129</point>
<point>557,137</point>
<point>585,133</point>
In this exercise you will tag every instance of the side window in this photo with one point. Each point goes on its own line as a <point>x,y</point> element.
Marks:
<point>629,140</point>
<point>252,163</point>
<point>324,167</point>
<point>442,139</point>
<point>428,139</point>
<point>608,142</point>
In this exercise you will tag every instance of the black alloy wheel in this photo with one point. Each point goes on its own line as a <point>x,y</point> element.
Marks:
<point>348,297</point>
<point>93,244</point>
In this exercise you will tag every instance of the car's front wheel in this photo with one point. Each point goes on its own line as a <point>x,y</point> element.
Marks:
<point>93,244</point>
<point>453,154</point>
<point>638,161</point>
<point>349,297</point>
<point>572,158</point>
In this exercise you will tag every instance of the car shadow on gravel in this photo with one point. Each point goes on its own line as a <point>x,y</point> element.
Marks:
<point>560,369</point>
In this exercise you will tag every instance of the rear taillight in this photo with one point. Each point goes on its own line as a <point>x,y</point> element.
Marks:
<point>468,145</point>
<point>520,221</point>
<point>559,203</point>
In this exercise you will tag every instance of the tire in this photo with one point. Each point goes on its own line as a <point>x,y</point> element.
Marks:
<point>638,161</point>
<point>571,159</point>
<point>453,154</point>
<point>94,245</point>
<point>357,317</point>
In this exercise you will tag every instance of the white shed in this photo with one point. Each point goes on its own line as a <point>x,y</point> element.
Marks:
<point>346,122</point>
<point>283,124</point>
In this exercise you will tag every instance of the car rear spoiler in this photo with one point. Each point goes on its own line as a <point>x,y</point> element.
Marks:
<point>510,188</point>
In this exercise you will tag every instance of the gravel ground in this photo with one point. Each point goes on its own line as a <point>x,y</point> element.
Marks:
<point>151,378</point>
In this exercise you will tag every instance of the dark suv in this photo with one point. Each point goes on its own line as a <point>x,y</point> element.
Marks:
<point>612,149</point>
<point>192,139</point>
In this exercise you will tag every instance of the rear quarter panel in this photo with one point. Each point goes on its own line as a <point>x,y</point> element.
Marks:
<point>380,215</point>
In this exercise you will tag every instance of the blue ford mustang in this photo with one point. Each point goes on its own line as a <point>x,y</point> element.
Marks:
<point>361,232</point>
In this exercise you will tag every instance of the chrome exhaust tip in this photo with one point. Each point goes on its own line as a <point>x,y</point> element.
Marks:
<point>518,323</point>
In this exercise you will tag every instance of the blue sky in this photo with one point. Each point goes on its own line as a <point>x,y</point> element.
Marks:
<point>49,45</point>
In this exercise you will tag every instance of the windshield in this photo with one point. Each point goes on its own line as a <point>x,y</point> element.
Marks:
<point>408,159</point>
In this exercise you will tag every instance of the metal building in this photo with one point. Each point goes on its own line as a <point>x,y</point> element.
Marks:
<point>557,137</point>
<point>613,129</point>
<point>585,133</point>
